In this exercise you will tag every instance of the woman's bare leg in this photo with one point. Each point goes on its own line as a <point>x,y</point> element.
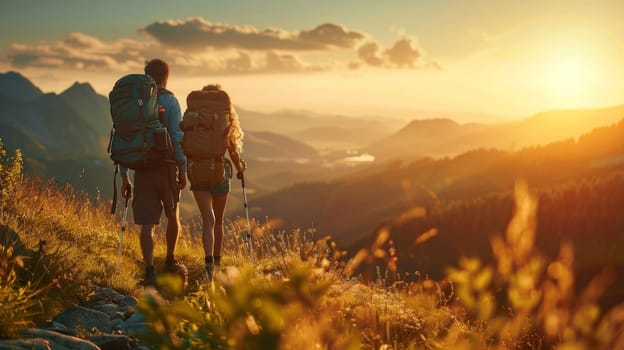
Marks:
<point>204,203</point>
<point>218,204</point>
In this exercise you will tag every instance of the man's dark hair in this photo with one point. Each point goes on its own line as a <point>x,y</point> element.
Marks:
<point>157,69</point>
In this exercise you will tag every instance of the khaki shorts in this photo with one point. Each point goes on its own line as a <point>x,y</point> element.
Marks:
<point>153,192</point>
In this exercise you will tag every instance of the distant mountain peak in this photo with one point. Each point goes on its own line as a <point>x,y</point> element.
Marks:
<point>80,89</point>
<point>433,122</point>
<point>18,87</point>
<point>12,74</point>
<point>432,125</point>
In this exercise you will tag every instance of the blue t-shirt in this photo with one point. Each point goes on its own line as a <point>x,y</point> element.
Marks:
<point>173,116</point>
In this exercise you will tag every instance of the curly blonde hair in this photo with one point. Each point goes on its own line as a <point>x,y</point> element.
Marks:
<point>236,132</point>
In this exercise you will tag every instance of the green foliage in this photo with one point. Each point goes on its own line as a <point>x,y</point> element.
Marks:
<point>540,308</point>
<point>246,311</point>
<point>18,301</point>
<point>50,238</point>
<point>10,177</point>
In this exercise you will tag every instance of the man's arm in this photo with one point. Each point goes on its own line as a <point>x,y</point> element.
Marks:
<point>127,185</point>
<point>173,115</point>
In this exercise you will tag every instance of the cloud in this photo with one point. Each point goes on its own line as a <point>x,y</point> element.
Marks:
<point>331,35</point>
<point>369,53</point>
<point>402,54</point>
<point>200,34</point>
<point>246,63</point>
<point>83,41</point>
<point>83,52</point>
<point>80,51</point>
<point>228,50</point>
<point>284,63</point>
<point>275,62</point>
<point>240,64</point>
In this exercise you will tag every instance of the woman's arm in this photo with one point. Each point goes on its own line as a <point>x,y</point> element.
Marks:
<point>240,164</point>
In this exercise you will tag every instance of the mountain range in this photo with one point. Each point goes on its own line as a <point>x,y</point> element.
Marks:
<point>318,130</point>
<point>445,137</point>
<point>64,136</point>
<point>351,207</point>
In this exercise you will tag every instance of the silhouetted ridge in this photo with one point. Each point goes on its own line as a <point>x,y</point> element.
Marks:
<point>79,90</point>
<point>17,87</point>
<point>429,182</point>
<point>264,144</point>
<point>92,107</point>
<point>444,137</point>
<point>425,127</point>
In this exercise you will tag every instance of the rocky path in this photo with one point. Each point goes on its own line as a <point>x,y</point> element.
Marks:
<point>108,322</point>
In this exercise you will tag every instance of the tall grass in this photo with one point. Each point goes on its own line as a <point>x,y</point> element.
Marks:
<point>302,293</point>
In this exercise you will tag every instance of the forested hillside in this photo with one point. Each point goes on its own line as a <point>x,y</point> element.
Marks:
<point>384,191</point>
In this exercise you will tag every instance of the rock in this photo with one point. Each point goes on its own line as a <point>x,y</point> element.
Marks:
<point>113,342</point>
<point>109,294</point>
<point>85,318</point>
<point>127,302</point>
<point>61,328</point>
<point>136,317</point>
<point>109,309</point>
<point>110,321</point>
<point>25,344</point>
<point>120,315</point>
<point>60,341</point>
<point>136,324</point>
<point>127,313</point>
<point>119,325</point>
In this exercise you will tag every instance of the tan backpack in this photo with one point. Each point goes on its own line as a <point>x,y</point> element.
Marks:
<point>206,125</point>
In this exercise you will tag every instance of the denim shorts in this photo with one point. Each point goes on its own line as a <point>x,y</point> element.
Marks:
<point>218,190</point>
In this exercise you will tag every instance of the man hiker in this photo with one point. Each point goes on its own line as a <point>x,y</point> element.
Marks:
<point>158,187</point>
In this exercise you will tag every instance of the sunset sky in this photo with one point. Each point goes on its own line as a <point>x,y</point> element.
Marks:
<point>469,60</point>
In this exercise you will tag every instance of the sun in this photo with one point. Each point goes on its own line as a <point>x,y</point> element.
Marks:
<point>567,77</point>
<point>570,66</point>
<point>568,60</point>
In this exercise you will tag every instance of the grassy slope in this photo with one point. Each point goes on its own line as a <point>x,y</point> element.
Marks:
<point>301,292</point>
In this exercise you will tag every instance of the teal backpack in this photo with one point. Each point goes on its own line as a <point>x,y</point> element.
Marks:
<point>139,138</point>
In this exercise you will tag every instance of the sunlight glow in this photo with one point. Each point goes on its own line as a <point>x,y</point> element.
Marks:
<point>570,64</point>
<point>567,78</point>
<point>569,75</point>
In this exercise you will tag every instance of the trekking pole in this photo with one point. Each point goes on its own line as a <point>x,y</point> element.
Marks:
<point>249,242</point>
<point>123,229</point>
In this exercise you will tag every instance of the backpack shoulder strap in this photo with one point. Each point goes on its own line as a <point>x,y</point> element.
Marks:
<point>163,91</point>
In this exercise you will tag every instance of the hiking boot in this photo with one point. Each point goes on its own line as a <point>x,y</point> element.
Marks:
<point>150,277</point>
<point>210,269</point>
<point>217,261</point>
